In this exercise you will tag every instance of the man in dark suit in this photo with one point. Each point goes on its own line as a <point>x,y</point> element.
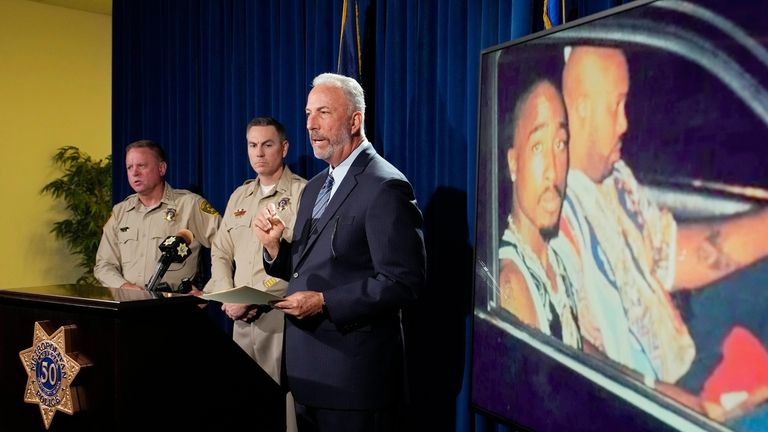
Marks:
<point>356,259</point>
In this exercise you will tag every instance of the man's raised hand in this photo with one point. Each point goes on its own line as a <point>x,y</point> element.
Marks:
<point>269,228</point>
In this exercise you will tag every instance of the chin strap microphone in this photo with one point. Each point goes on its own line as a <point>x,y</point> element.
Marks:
<point>175,249</point>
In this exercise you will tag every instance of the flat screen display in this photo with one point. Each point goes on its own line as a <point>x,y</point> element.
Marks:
<point>621,275</point>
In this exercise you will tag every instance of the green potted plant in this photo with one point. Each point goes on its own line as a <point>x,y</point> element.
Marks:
<point>86,189</point>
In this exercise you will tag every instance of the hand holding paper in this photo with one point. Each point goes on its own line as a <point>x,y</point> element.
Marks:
<point>243,295</point>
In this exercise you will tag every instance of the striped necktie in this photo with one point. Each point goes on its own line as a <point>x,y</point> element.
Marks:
<point>322,199</point>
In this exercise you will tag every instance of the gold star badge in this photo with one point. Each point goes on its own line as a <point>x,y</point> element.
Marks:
<point>182,250</point>
<point>50,371</point>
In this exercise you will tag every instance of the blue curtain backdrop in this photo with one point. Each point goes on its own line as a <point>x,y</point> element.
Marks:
<point>191,73</point>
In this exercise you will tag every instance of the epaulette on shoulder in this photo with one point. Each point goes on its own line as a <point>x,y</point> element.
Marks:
<point>249,181</point>
<point>128,198</point>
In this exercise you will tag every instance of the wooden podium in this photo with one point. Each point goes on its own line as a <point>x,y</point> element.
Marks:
<point>157,362</point>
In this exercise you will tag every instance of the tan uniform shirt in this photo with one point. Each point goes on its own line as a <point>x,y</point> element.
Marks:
<point>129,252</point>
<point>237,249</point>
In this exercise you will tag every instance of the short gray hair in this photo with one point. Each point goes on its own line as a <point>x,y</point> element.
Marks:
<point>351,88</point>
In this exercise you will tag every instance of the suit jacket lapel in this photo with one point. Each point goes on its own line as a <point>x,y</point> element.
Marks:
<point>345,188</point>
<point>305,210</point>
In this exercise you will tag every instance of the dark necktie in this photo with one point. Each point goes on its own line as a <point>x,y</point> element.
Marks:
<point>322,199</point>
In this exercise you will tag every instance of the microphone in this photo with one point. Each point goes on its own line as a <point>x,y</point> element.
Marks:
<point>175,249</point>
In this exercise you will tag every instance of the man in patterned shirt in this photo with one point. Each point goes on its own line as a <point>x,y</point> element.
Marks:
<point>634,254</point>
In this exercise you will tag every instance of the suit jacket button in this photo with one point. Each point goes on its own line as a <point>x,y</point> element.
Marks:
<point>295,275</point>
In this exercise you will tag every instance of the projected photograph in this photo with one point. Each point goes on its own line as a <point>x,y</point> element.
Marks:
<point>622,222</point>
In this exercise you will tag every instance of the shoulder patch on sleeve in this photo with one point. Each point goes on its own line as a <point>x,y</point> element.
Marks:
<point>206,207</point>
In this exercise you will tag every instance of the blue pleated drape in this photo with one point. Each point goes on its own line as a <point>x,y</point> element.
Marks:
<point>191,73</point>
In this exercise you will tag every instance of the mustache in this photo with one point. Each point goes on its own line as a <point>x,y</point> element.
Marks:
<point>553,189</point>
<point>316,136</point>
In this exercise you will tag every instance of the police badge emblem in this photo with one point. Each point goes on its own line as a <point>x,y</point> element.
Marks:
<point>50,371</point>
<point>170,214</point>
<point>182,250</point>
<point>283,203</point>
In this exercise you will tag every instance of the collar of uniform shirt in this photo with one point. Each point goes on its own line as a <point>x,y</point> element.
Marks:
<point>340,171</point>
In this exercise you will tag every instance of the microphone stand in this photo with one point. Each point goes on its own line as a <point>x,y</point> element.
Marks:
<point>162,266</point>
<point>175,249</point>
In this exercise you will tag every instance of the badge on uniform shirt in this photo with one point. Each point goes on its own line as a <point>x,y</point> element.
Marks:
<point>170,214</point>
<point>283,203</point>
<point>206,207</point>
<point>239,212</point>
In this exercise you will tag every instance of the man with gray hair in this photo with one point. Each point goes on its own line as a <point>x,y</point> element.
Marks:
<point>128,251</point>
<point>356,259</point>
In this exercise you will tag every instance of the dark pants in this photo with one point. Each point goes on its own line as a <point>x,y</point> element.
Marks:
<point>311,419</point>
<point>712,311</point>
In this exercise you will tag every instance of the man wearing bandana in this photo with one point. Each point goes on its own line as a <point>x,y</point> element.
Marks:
<point>128,252</point>
<point>236,253</point>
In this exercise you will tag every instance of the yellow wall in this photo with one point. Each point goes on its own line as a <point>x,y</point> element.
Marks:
<point>55,90</point>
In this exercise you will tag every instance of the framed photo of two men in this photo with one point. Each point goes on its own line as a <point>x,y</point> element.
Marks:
<point>622,222</point>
